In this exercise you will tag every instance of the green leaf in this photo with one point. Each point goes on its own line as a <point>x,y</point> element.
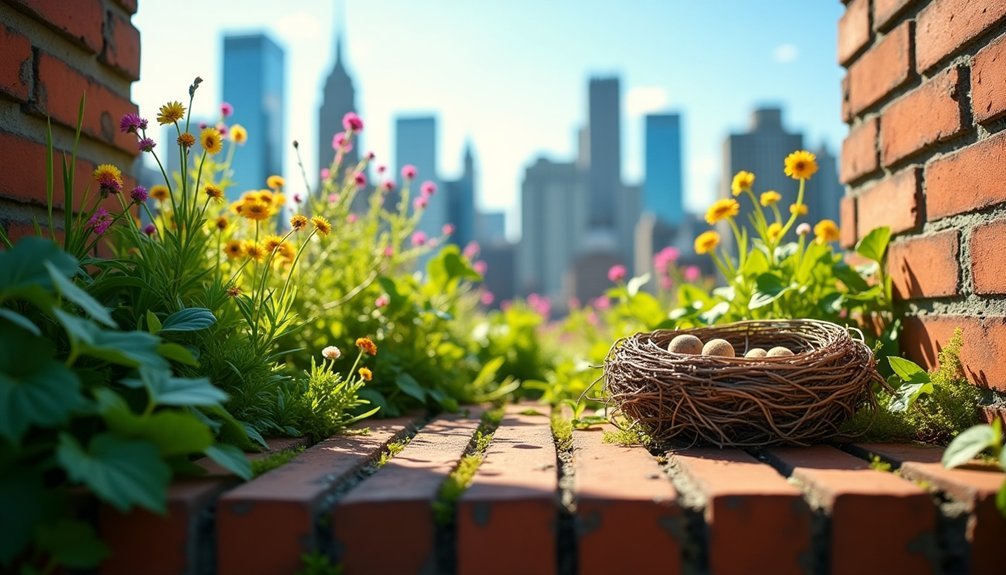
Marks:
<point>179,353</point>
<point>456,266</point>
<point>713,314</point>
<point>188,319</point>
<point>874,245</point>
<point>1001,499</point>
<point>153,322</point>
<point>632,288</point>
<point>908,394</point>
<point>23,269</point>
<point>20,321</point>
<point>968,444</point>
<point>908,370</point>
<point>123,472</point>
<point>409,386</point>
<point>67,289</point>
<point>230,458</point>
<point>166,389</point>
<point>173,432</point>
<point>23,500</point>
<point>71,543</point>
<point>768,288</point>
<point>127,348</point>
<point>849,277</point>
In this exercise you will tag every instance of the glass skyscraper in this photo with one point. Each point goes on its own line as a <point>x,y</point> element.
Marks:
<point>416,144</point>
<point>663,190</point>
<point>255,84</point>
<point>604,178</point>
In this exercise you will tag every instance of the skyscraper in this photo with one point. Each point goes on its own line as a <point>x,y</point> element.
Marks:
<point>663,194</point>
<point>824,190</point>
<point>460,196</point>
<point>416,144</point>
<point>338,99</point>
<point>255,84</point>
<point>604,178</point>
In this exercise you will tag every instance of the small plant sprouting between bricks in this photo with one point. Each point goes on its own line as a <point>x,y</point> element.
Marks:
<point>274,460</point>
<point>984,440</point>
<point>317,563</point>
<point>462,476</point>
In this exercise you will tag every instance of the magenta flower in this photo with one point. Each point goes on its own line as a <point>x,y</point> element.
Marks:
<point>420,203</point>
<point>361,180</point>
<point>340,142</point>
<point>602,302</point>
<point>448,229</point>
<point>132,123</point>
<point>388,185</point>
<point>487,298</point>
<point>617,273</point>
<point>480,267</point>
<point>226,110</point>
<point>203,125</point>
<point>352,123</point>
<point>146,144</point>
<point>381,169</point>
<point>471,250</point>
<point>351,218</point>
<point>418,239</point>
<point>297,199</point>
<point>100,221</point>
<point>382,300</point>
<point>428,188</point>
<point>333,198</point>
<point>692,273</point>
<point>139,194</point>
<point>222,128</point>
<point>150,229</point>
<point>409,172</point>
<point>325,173</point>
<point>666,283</point>
<point>389,252</point>
<point>370,156</point>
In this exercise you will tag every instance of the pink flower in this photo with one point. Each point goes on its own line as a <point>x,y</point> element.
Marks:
<point>432,242</point>
<point>409,172</point>
<point>351,218</point>
<point>471,250</point>
<point>100,221</point>
<point>222,128</point>
<point>382,300</point>
<point>487,298</point>
<point>574,303</point>
<point>448,229</point>
<point>352,123</point>
<point>333,198</point>
<point>325,173</point>
<point>617,273</point>
<point>666,282</point>
<point>418,239</point>
<point>692,273</point>
<point>540,304</point>
<point>428,188</point>
<point>361,180</point>
<point>481,267</point>
<point>506,304</point>
<point>381,169</point>
<point>341,143</point>
<point>370,156</point>
<point>388,185</point>
<point>297,199</point>
<point>203,125</point>
<point>389,252</point>
<point>420,203</point>
<point>150,229</point>
<point>663,258</point>
<point>602,302</point>
<point>226,109</point>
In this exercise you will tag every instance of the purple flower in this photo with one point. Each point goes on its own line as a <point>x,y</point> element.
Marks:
<point>131,123</point>
<point>388,185</point>
<point>226,109</point>
<point>352,123</point>
<point>100,221</point>
<point>409,171</point>
<point>361,180</point>
<point>150,229</point>
<point>428,188</point>
<point>139,194</point>
<point>146,144</point>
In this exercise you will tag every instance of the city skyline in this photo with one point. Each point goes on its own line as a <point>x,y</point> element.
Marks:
<point>713,78</point>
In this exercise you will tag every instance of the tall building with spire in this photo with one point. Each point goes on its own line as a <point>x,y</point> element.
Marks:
<point>339,98</point>
<point>461,201</point>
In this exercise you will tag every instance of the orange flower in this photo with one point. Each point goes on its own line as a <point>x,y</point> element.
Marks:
<point>366,345</point>
<point>366,374</point>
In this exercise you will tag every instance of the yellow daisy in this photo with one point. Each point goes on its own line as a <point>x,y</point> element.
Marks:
<point>706,242</point>
<point>798,209</point>
<point>743,182</point>
<point>826,231</point>
<point>214,193</point>
<point>234,249</point>
<point>170,113</point>
<point>722,210</point>
<point>254,211</point>
<point>272,243</point>
<point>298,222</point>
<point>774,232</point>
<point>221,223</point>
<point>159,192</point>
<point>801,165</point>
<point>238,134</point>
<point>769,198</point>
<point>254,250</point>
<point>275,182</point>
<point>211,140</point>
<point>366,374</point>
<point>321,224</point>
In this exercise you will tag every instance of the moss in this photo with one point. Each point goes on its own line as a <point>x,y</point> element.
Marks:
<point>391,450</point>
<point>562,432</point>
<point>462,476</point>
<point>274,460</point>
<point>625,437</point>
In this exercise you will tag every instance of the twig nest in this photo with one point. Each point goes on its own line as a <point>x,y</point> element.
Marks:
<point>756,352</point>
<point>718,347</point>
<point>779,351</point>
<point>686,344</point>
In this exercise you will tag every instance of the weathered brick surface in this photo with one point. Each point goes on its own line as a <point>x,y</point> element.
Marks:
<point>507,519</point>
<point>853,496</point>
<point>122,46</point>
<point>265,525</point>
<point>15,64</point>
<point>902,132</point>
<point>626,509</point>
<point>859,151</point>
<point>968,179</point>
<point>925,266</point>
<point>985,345</point>
<point>754,517</point>
<point>882,69</point>
<point>988,264</point>
<point>853,30</point>
<point>893,202</point>
<point>80,20</point>
<point>847,215</point>
<point>988,88</point>
<point>944,26</point>
<point>884,11</point>
<point>399,498</point>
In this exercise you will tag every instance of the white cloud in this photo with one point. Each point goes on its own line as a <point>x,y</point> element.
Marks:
<point>785,53</point>
<point>298,26</point>
<point>645,99</point>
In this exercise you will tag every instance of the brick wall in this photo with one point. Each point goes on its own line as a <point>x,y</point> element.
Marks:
<point>925,100</point>
<point>51,53</point>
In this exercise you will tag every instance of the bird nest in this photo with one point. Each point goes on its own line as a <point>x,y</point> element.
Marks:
<point>738,401</point>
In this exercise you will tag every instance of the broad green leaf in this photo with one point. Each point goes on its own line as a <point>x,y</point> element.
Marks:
<point>179,353</point>
<point>849,277</point>
<point>127,348</point>
<point>632,288</point>
<point>908,370</point>
<point>167,389</point>
<point>755,264</point>
<point>67,289</point>
<point>457,267</point>
<point>188,319</point>
<point>409,386</point>
<point>395,298</point>
<point>715,313</point>
<point>768,288</point>
<point>908,393</point>
<point>123,472</point>
<point>23,269</point>
<point>20,321</point>
<point>71,543</point>
<point>173,432</point>
<point>153,322</point>
<point>230,458</point>
<point>968,444</point>
<point>23,500</point>
<point>873,246</point>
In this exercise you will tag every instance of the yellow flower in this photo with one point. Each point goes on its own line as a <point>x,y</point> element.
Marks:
<point>186,140</point>
<point>254,211</point>
<point>798,209</point>
<point>214,193</point>
<point>801,165</point>
<point>238,134</point>
<point>366,345</point>
<point>298,222</point>
<point>321,224</point>
<point>826,231</point>
<point>722,210</point>
<point>743,182</point>
<point>271,243</point>
<point>774,232</point>
<point>109,178</point>
<point>170,113</point>
<point>769,198</point>
<point>234,249</point>
<point>159,192</point>
<point>366,374</point>
<point>264,196</point>
<point>275,182</point>
<point>254,250</point>
<point>211,140</point>
<point>706,242</point>
<point>287,251</point>
<point>221,223</point>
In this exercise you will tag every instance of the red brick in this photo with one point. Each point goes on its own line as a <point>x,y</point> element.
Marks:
<point>18,230</point>
<point>892,202</point>
<point>853,30</point>
<point>399,499</point>
<point>80,20</point>
<point>944,26</point>
<point>988,262</point>
<point>974,485</point>
<point>15,65</point>
<point>859,151</point>
<point>928,114</point>
<point>925,266</point>
<point>127,5</point>
<point>626,509</point>
<point>507,519</point>
<point>882,69</point>
<point>988,81</point>
<point>846,107</point>
<point>265,525</point>
<point>853,496</point>
<point>884,11</point>
<point>982,355</point>
<point>753,515</point>
<point>847,215</point>
<point>968,179</point>
<point>59,90</point>
<point>122,46</point>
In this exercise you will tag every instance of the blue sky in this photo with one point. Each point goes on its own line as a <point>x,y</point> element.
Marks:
<point>512,75</point>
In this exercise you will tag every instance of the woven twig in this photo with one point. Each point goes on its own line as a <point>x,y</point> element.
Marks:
<point>742,402</point>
